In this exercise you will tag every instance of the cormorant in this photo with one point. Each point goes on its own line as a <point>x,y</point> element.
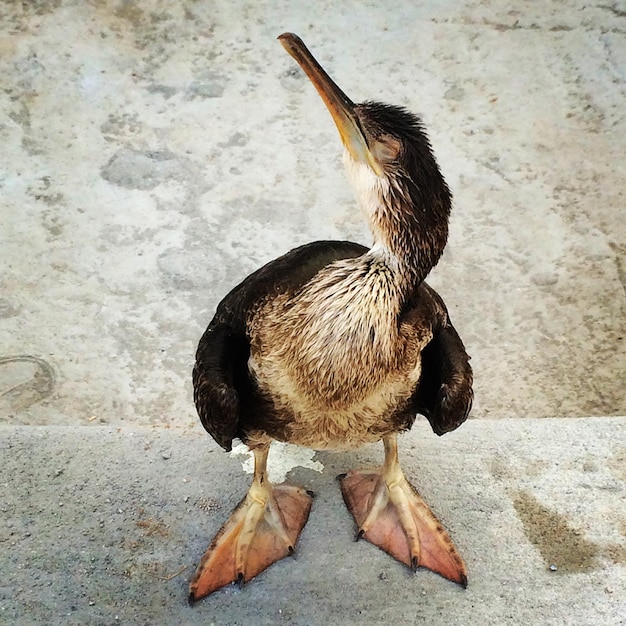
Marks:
<point>335,345</point>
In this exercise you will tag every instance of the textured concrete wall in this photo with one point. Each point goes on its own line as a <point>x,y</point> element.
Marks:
<point>154,153</point>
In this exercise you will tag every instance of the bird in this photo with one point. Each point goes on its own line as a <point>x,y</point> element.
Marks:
<point>335,345</point>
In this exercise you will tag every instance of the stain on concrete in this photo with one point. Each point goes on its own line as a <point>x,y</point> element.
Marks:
<point>51,219</point>
<point>31,146</point>
<point>52,222</point>
<point>162,90</point>
<point>616,553</point>
<point>293,80</point>
<point>590,466</point>
<point>156,34</point>
<point>617,464</point>
<point>544,279</point>
<point>29,69</point>
<point>537,468</point>
<point>121,125</point>
<point>558,542</point>
<point>144,170</point>
<point>40,7</point>
<point>235,140</point>
<point>619,256</point>
<point>500,469</point>
<point>455,92</point>
<point>51,199</point>
<point>24,381</point>
<point>130,11</point>
<point>21,114</point>
<point>208,84</point>
<point>7,309</point>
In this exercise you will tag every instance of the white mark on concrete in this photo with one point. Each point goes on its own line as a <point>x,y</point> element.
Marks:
<point>282,459</point>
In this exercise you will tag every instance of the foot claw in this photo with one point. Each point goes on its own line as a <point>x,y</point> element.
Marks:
<point>414,563</point>
<point>240,580</point>
<point>191,599</point>
<point>310,493</point>
<point>463,581</point>
<point>291,550</point>
<point>359,535</point>
<point>340,476</point>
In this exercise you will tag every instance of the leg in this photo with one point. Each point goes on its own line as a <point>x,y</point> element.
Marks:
<point>392,515</point>
<point>263,529</point>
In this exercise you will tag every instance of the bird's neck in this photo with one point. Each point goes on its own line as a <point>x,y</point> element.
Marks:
<point>409,224</point>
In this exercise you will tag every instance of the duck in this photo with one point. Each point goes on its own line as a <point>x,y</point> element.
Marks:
<point>335,345</point>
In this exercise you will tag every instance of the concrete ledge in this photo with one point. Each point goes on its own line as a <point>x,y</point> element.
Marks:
<point>105,526</point>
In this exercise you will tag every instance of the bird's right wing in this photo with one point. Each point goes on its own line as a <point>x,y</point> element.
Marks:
<point>220,374</point>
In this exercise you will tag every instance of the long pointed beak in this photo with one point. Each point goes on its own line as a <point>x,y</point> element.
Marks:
<point>338,104</point>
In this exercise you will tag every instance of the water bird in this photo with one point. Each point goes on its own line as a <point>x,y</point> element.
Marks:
<point>335,345</point>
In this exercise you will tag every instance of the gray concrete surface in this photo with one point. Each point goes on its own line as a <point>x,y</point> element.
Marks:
<point>103,525</point>
<point>155,153</point>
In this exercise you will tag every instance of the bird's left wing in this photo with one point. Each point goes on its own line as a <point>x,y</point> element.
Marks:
<point>444,394</point>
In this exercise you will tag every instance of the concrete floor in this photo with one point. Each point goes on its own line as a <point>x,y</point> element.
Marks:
<point>105,527</point>
<point>155,153</point>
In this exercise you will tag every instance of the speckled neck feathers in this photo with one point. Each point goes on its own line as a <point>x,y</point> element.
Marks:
<point>407,208</point>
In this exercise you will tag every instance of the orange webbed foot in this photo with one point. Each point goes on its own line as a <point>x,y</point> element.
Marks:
<point>262,529</point>
<point>391,514</point>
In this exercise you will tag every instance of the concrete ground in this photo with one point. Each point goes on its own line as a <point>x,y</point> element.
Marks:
<point>155,153</point>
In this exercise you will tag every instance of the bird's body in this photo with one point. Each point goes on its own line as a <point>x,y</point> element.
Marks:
<point>313,376</point>
<point>335,345</point>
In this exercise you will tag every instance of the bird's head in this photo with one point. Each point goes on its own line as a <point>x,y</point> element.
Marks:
<point>391,166</point>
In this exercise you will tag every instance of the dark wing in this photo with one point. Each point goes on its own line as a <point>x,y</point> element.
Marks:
<point>222,353</point>
<point>220,374</point>
<point>444,395</point>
